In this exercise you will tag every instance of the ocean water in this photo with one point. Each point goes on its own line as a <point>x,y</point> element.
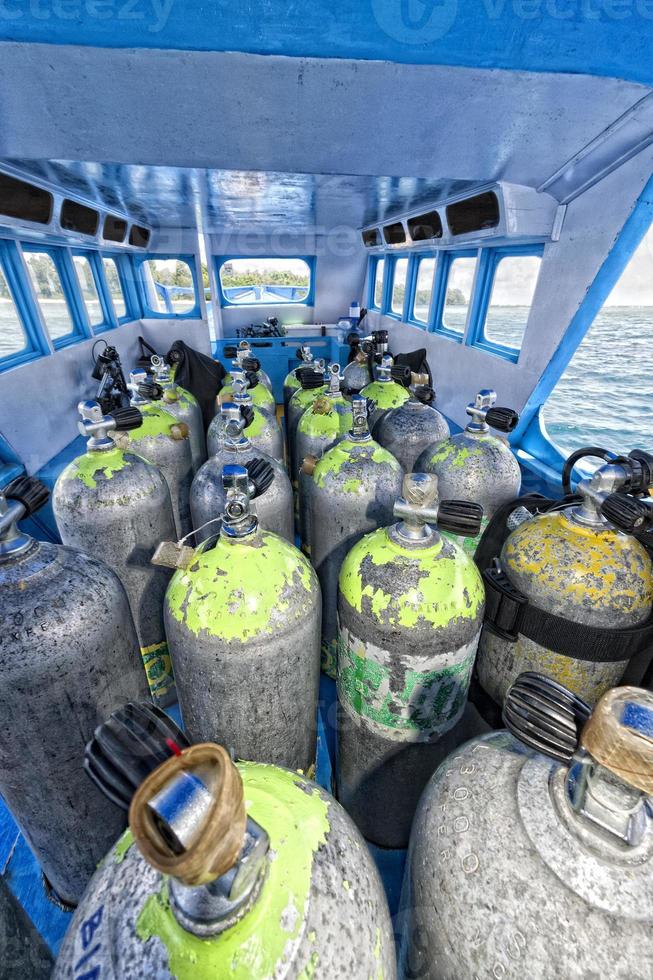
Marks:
<point>604,398</point>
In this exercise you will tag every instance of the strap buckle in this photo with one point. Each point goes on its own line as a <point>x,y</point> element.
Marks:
<point>504,605</point>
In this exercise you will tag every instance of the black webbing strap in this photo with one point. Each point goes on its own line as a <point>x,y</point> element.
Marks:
<point>509,614</point>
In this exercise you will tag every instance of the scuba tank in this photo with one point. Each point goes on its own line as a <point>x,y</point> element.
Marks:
<point>25,956</point>
<point>475,465</point>
<point>355,485</point>
<point>270,485</point>
<point>534,849</point>
<point>242,363</point>
<point>68,657</point>
<point>261,429</point>
<point>356,375</point>
<point>410,611</point>
<point>570,596</point>
<point>244,871</point>
<point>163,441</point>
<point>313,383</point>
<point>116,507</point>
<point>262,397</point>
<point>389,390</point>
<point>325,421</point>
<point>243,624</point>
<point>185,408</point>
<point>291,382</point>
<point>408,430</point>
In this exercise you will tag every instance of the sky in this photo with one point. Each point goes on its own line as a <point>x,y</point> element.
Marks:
<point>635,287</point>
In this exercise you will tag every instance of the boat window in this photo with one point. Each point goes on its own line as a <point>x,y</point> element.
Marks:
<point>49,292</point>
<point>377,293</point>
<point>267,281</point>
<point>604,396</point>
<point>395,234</point>
<point>77,217</point>
<point>116,293</point>
<point>169,286</point>
<point>400,273</point>
<point>13,339</point>
<point>24,201</point>
<point>474,214</point>
<point>423,289</point>
<point>513,288</point>
<point>140,237</point>
<point>114,229</point>
<point>88,289</point>
<point>460,285</point>
<point>371,238</point>
<point>425,227</point>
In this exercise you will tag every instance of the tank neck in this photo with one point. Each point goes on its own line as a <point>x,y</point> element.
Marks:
<point>606,480</point>
<point>13,541</point>
<point>599,800</point>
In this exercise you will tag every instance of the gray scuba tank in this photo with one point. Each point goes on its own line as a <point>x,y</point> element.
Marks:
<point>115,506</point>
<point>356,375</point>
<point>388,390</point>
<point>312,382</point>
<point>410,611</point>
<point>474,464</point>
<point>185,408</point>
<point>291,381</point>
<point>246,871</point>
<point>242,362</point>
<point>164,441</point>
<point>411,428</point>
<point>534,848</point>
<point>243,625</point>
<point>355,486</point>
<point>68,657</point>
<point>270,486</point>
<point>262,430</point>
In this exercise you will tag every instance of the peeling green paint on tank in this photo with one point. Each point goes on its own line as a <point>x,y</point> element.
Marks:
<point>296,819</point>
<point>462,448</point>
<point>334,422</point>
<point>258,423</point>
<point>156,422</point>
<point>261,397</point>
<point>386,394</point>
<point>175,393</point>
<point>448,588</point>
<point>333,461</point>
<point>121,848</point>
<point>236,590</point>
<point>86,467</point>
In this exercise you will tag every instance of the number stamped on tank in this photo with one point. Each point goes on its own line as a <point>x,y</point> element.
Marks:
<point>89,943</point>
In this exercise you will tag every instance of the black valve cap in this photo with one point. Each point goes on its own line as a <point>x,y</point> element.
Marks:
<point>299,354</point>
<point>261,473</point>
<point>310,380</point>
<point>127,419</point>
<point>545,716</point>
<point>401,373</point>
<point>425,395</point>
<point>247,414</point>
<point>380,336</point>
<point>150,390</point>
<point>130,745</point>
<point>642,480</point>
<point>628,514</point>
<point>461,517</point>
<point>502,419</point>
<point>251,377</point>
<point>251,364</point>
<point>28,491</point>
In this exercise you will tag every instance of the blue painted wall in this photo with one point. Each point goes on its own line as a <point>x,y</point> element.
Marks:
<point>602,37</point>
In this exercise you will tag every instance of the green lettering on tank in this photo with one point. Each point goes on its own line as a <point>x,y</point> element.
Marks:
<point>122,847</point>
<point>428,702</point>
<point>297,822</point>
<point>446,588</point>
<point>236,591</point>
<point>156,422</point>
<point>106,461</point>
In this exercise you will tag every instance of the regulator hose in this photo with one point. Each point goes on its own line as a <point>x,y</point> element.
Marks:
<point>587,451</point>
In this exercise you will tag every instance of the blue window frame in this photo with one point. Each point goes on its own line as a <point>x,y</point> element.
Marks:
<point>54,286</point>
<point>165,300</point>
<point>422,289</point>
<point>262,293</point>
<point>506,283</point>
<point>376,282</point>
<point>21,335</point>
<point>95,301</point>
<point>121,287</point>
<point>397,293</point>
<point>453,295</point>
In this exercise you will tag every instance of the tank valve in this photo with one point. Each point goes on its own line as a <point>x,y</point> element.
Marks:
<point>485,416</point>
<point>401,374</point>
<point>333,380</point>
<point>312,377</point>
<point>160,369</point>
<point>20,499</point>
<point>237,518</point>
<point>609,751</point>
<point>614,491</point>
<point>420,507</point>
<point>261,477</point>
<point>96,426</point>
<point>631,515</point>
<point>361,408</point>
<point>304,354</point>
<point>186,812</point>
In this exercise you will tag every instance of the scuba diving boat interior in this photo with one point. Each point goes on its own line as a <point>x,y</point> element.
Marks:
<point>325,451</point>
